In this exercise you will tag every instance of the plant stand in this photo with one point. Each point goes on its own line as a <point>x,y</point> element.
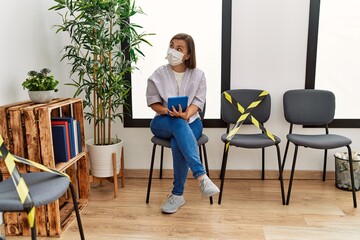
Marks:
<point>115,176</point>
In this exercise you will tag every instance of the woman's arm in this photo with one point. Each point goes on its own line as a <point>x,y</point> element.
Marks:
<point>159,108</point>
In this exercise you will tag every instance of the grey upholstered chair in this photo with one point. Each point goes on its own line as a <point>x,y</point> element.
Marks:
<point>44,188</point>
<point>165,143</point>
<point>235,105</point>
<point>315,108</point>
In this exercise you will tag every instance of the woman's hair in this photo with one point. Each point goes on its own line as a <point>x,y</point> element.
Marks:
<point>191,62</point>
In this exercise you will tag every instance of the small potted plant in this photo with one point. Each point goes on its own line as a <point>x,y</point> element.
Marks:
<point>40,85</point>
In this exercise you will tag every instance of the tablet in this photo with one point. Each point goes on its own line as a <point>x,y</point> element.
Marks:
<point>175,101</point>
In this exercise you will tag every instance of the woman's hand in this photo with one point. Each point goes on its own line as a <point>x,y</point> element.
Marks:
<point>180,113</point>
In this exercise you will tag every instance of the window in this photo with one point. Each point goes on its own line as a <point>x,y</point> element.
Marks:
<point>209,23</point>
<point>333,56</point>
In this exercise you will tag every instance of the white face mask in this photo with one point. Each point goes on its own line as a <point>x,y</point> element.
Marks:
<point>174,57</point>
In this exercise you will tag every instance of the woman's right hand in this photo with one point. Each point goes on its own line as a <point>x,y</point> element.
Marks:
<point>180,113</point>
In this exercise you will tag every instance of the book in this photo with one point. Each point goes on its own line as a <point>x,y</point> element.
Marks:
<point>70,121</point>
<point>79,136</point>
<point>60,143</point>
<point>67,137</point>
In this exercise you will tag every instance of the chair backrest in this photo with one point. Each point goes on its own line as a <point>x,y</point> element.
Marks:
<point>230,114</point>
<point>309,106</point>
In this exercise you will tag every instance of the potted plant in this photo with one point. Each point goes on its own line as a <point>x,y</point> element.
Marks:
<point>41,86</point>
<point>103,51</point>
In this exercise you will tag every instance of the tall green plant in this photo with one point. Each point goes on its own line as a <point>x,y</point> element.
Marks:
<point>103,50</point>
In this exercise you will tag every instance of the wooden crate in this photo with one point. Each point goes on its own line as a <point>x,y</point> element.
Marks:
<point>26,129</point>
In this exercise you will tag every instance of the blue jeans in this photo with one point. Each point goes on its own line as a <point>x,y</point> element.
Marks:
<point>183,137</point>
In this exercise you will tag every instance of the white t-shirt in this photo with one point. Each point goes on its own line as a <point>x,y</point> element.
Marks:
<point>178,78</point>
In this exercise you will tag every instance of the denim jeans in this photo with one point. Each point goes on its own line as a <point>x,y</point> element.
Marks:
<point>183,137</point>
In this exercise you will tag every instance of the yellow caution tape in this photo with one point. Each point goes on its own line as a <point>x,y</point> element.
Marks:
<point>245,113</point>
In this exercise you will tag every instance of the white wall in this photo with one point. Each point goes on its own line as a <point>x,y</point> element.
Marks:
<point>269,50</point>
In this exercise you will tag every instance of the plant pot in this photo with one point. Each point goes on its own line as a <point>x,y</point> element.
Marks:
<point>41,96</point>
<point>101,157</point>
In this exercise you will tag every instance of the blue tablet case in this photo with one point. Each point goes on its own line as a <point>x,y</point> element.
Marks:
<point>175,101</point>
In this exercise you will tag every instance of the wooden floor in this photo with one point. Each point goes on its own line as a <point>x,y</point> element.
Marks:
<point>251,209</point>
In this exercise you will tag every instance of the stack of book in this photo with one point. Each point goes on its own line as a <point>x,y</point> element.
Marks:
<point>66,138</point>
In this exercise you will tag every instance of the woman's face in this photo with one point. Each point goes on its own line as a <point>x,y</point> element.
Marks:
<point>180,46</point>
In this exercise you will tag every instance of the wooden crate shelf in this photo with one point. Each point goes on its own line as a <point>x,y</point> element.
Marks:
<point>26,129</point>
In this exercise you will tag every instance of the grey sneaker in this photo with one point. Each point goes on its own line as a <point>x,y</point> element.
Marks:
<point>173,204</point>
<point>207,187</point>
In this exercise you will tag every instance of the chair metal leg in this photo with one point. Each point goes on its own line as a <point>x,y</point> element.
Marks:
<point>222,174</point>
<point>280,175</point>
<point>200,155</point>
<point>33,231</point>
<point>263,163</point>
<point>206,165</point>
<point>150,173</point>
<point>352,177</point>
<point>285,154</point>
<point>222,164</point>
<point>77,212</point>
<point>292,175</point>
<point>161,161</point>
<point>325,161</point>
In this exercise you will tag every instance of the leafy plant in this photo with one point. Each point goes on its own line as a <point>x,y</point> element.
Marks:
<point>40,81</point>
<point>104,49</point>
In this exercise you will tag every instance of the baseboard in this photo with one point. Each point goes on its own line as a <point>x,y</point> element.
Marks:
<point>235,174</point>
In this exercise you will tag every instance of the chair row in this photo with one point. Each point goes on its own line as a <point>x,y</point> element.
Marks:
<point>253,106</point>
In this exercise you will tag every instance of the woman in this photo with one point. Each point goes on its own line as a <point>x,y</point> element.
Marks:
<point>180,78</point>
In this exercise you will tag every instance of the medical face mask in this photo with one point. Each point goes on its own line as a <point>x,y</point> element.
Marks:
<point>174,57</point>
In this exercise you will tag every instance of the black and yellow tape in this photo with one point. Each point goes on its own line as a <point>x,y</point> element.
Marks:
<point>19,182</point>
<point>246,113</point>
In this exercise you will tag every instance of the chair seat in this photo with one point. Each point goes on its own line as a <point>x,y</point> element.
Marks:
<point>39,183</point>
<point>320,141</point>
<point>166,142</point>
<point>251,140</point>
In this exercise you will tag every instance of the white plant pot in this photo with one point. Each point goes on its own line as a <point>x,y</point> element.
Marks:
<point>101,157</point>
<point>41,96</point>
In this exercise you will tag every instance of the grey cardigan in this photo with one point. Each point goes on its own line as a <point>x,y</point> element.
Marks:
<point>162,84</point>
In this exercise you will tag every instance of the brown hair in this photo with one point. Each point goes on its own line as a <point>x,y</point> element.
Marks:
<point>191,62</point>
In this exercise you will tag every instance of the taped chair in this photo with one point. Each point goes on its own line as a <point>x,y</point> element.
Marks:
<point>316,108</point>
<point>165,143</point>
<point>25,192</point>
<point>247,106</point>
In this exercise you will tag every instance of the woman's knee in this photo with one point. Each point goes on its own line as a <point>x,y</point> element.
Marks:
<point>179,123</point>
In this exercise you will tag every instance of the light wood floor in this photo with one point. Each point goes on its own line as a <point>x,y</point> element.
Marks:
<point>251,209</point>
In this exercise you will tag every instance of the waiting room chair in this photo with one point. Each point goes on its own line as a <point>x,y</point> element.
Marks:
<point>25,192</point>
<point>247,106</point>
<point>165,143</point>
<point>315,108</point>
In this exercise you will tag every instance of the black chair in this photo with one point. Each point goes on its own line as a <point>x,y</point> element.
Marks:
<point>165,143</point>
<point>313,108</point>
<point>247,106</point>
<point>25,192</point>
